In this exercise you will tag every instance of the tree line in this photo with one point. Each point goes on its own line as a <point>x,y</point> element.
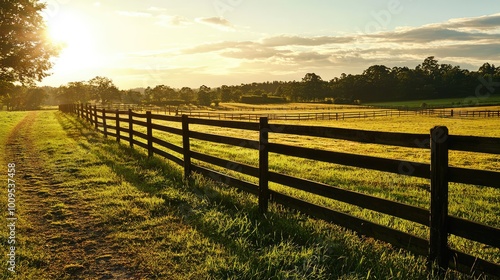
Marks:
<point>378,83</point>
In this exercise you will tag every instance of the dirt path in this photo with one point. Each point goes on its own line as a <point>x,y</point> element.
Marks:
<point>56,221</point>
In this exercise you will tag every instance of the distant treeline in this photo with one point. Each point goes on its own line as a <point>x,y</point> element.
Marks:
<point>429,80</point>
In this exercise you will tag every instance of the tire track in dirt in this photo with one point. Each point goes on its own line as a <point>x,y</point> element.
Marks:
<point>73,241</point>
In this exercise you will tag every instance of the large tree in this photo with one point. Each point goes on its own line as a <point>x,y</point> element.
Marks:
<point>25,51</point>
<point>104,90</point>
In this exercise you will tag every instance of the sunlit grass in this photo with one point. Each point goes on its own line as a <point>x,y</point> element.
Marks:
<point>400,188</point>
<point>197,229</point>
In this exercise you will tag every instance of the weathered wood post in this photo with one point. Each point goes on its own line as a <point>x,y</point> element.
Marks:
<point>87,112</point>
<point>186,146</point>
<point>117,126</point>
<point>263,165</point>
<point>149,133</point>
<point>130,128</point>
<point>438,251</point>
<point>96,121</point>
<point>104,125</point>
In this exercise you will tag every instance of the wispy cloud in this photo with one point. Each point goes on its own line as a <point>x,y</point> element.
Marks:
<point>286,40</point>
<point>435,33</point>
<point>217,22</point>
<point>172,21</point>
<point>160,16</point>
<point>489,22</point>
<point>467,42</point>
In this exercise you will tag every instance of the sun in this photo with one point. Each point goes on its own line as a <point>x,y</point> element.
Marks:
<point>74,35</point>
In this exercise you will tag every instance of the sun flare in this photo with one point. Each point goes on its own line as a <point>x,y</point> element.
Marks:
<point>75,37</point>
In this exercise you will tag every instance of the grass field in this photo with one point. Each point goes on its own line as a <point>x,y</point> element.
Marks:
<point>481,207</point>
<point>479,100</point>
<point>90,208</point>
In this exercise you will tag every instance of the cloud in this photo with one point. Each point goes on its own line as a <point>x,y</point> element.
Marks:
<point>489,22</point>
<point>172,21</point>
<point>217,22</point>
<point>466,42</point>
<point>253,53</point>
<point>433,33</point>
<point>484,28</point>
<point>284,40</point>
<point>160,15</point>
<point>213,47</point>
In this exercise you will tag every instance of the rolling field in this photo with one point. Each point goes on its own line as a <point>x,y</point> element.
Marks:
<point>479,100</point>
<point>91,208</point>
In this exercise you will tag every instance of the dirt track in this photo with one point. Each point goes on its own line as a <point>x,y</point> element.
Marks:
<point>55,221</point>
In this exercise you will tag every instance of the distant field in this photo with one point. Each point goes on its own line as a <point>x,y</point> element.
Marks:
<point>286,107</point>
<point>450,102</point>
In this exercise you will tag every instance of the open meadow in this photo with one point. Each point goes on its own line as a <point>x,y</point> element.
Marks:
<point>479,99</point>
<point>90,207</point>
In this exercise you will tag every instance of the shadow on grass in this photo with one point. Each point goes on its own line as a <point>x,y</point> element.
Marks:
<point>248,235</point>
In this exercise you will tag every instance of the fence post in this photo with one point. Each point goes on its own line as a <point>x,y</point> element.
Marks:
<point>87,112</point>
<point>117,126</point>
<point>90,110</point>
<point>186,146</point>
<point>149,133</point>
<point>263,165</point>
<point>104,125</point>
<point>96,124</point>
<point>130,128</point>
<point>438,251</point>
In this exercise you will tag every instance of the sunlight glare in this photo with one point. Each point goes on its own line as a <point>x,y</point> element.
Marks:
<point>77,41</point>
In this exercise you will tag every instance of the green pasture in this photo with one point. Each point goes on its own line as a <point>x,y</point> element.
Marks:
<point>481,99</point>
<point>172,228</point>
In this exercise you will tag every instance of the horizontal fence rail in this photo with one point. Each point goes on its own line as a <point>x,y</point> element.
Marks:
<point>125,125</point>
<point>323,113</point>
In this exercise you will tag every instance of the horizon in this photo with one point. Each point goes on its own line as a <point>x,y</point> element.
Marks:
<point>223,42</point>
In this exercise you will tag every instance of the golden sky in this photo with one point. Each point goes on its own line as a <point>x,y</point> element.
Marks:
<point>214,42</point>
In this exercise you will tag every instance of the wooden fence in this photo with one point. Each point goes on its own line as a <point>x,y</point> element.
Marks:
<point>307,113</point>
<point>122,126</point>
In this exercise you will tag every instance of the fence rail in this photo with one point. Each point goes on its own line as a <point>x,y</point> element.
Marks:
<point>301,113</point>
<point>438,142</point>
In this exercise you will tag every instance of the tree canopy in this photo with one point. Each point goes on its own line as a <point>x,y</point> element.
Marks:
<point>25,51</point>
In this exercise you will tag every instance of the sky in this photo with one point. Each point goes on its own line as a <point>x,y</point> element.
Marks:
<point>228,42</point>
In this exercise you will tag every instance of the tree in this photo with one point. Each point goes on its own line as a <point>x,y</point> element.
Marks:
<point>313,87</point>
<point>25,98</point>
<point>24,50</point>
<point>131,96</point>
<point>204,96</point>
<point>74,92</point>
<point>103,89</point>
<point>226,94</point>
<point>186,94</point>
<point>429,67</point>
